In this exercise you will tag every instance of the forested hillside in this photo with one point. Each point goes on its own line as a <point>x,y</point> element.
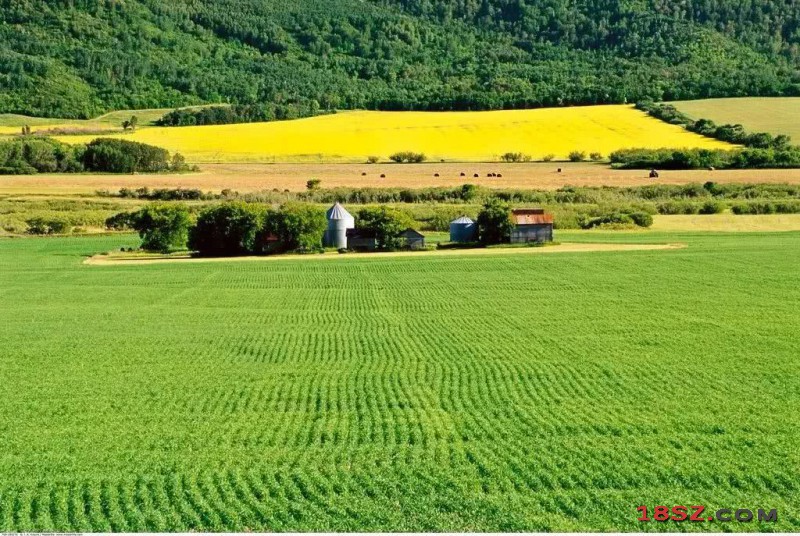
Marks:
<point>78,58</point>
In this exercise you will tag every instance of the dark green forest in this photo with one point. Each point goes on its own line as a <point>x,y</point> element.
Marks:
<point>79,58</point>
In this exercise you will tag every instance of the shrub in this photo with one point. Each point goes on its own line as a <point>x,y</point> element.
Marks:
<point>408,157</point>
<point>712,207</point>
<point>608,220</point>
<point>373,159</point>
<point>787,207</point>
<point>515,157</point>
<point>642,219</point>
<point>677,207</point>
<point>469,192</point>
<point>762,207</point>
<point>178,164</point>
<point>313,184</point>
<point>166,194</point>
<point>595,157</point>
<point>162,228</point>
<point>229,229</point>
<point>122,221</point>
<point>577,156</point>
<point>548,157</point>
<point>47,226</point>
<point>494,222</point>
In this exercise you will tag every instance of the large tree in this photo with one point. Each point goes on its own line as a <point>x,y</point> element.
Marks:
<point>163,227</point>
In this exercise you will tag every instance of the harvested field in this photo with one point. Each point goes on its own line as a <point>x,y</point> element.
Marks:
<point>253,177</point>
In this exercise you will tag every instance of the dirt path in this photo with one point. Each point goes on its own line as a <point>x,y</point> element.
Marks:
<point>127,260</point>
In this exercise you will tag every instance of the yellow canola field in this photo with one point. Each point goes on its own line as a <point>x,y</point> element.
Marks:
<point>452,136</point>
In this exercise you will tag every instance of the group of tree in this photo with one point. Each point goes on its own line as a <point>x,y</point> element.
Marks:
<point>238,228</point>
<point>241,113</point>
<point>81,58</point>
<point>130,124</point>
<point>729,133</point>
<point>29,154</point>
<point>788,157</point>
<point>226,230</point>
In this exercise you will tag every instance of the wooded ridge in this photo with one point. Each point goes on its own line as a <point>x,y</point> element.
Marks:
<point>79,58</point>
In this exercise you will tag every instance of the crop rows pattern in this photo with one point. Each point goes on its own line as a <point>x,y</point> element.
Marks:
<point>529,392</point>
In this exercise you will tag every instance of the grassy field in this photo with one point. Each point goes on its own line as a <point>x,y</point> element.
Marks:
<point>529,392</point>
<point>456,136</point>
<point>774,115</point>
<point>11,123</point>
<point>254,177</point>
<point>728,222</point>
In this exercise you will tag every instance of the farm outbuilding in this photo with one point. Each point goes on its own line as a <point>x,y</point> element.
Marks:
<point>412,239</point>
<point>531,225</point>
<point>463,230</point>
<point>361,240</point>
<point>339,221</point>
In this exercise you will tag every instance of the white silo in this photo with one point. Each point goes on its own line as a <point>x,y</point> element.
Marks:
<point>339,221</point>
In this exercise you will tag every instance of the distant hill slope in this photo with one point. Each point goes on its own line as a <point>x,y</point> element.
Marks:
<point>79,58</point>
<point>776,116</point>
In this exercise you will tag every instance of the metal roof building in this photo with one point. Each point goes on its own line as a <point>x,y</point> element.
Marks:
<point>339,221</point>
<point>531,225</point>
<point>463,230</point>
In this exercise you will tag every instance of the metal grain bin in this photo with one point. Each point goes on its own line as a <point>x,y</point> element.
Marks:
<point>339,221</point>
<point>463,230</point>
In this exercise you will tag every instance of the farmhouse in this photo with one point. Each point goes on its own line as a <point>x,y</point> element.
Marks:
<point>531,225</point>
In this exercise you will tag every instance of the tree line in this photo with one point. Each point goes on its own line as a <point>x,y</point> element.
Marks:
<point>472,194</point>
<point>79,58</point>
<point>706,158</point>
<point>240,113</point>
<point>29,155</point>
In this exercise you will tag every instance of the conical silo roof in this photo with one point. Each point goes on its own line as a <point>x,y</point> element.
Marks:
<point>461,220</point>
<point>338,212</point>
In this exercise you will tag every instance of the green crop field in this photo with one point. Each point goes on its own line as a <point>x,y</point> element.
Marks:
<point>515,392</point>
<point>777,115</point>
